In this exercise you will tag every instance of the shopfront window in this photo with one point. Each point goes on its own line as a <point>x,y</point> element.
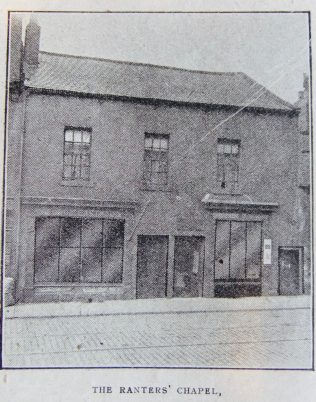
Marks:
<point>78,250</point>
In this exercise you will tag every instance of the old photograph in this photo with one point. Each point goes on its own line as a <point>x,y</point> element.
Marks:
<point>157,192</point>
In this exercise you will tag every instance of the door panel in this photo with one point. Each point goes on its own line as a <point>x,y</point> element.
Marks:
<point>289,265</point>
<point>188,266</point>
<point>152,260</point>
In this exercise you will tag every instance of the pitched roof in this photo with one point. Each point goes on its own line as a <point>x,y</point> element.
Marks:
<point>59,72</point>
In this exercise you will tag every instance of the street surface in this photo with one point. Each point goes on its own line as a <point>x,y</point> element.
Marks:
<point>261,338</point>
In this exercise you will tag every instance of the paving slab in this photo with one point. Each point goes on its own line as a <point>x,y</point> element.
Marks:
<point>156,306</point>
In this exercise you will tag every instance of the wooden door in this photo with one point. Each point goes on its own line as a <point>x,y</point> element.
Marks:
<point>289,271</point>
<point>152,261</point>
<point>188,266</point>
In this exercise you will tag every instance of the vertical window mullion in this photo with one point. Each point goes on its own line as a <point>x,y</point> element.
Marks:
<point>102,248</point>
<point>59,247</point>
<point>246,250</point>
<point>229,245</point>
<point>80,253</point>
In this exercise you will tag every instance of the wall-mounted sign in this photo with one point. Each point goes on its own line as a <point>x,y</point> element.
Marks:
<point>267,251</point>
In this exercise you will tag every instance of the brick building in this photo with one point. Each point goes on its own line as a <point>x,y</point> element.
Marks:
<point>127,180</point>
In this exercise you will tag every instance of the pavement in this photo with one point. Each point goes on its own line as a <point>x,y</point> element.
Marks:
<point>262,332</point>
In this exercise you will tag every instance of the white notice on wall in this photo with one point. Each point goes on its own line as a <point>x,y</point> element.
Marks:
<point>267,251</point>
<point>196,262</point>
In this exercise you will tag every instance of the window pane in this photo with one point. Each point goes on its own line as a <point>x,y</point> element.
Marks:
<point>227,148</point>
<point>112,269</point>
<point>70,232</point>
<point>47,232</point>
<point>69,268</point>
<point>113,231</point>
<point>156,143</point>
<point>155,155</point>
<point>235,149</point>
<point>85,160</point>
<point>220,148</point>
<point>155,166</point>
<point>85,172</point>
<point>91,264</point>
<point>68,148</point>
<point>162,179</point>
<point>68,159</point>
<point>164,143</point>
<point>46,264</point>
<point>69,135</point>
<point>148,142</point>
<point>77,149</point>
<point>91,233</point>
<point>253,250</point>
<point>163,166</point>
<point>86,137</point>
<point>238,250</point>
<point>77,136</point>
<point>154,178</point>
<point>222,250</point>
<point>67,172</point>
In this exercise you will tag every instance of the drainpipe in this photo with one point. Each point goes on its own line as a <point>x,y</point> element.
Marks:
<point>25,95</point>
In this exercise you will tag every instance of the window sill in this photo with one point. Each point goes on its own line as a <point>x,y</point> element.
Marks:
<point>162,190</point>
<point>75,183</point>
<point>76,285</point>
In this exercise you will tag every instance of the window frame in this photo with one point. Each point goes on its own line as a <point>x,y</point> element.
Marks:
<point>222,162</point>
<point>77,180</point>
<point>162,154</point>
<point>232,279</point>
<point>103,248</point>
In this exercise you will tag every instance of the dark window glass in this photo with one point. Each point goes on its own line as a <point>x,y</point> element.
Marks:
<point>70,232</point>
<point>77,144</point>
<point>113,265</point>
<point>74,250</point>
<point>253,257</point>
<point>156,161</point>
<point>222,250</point>
<point>47,232</point>
<point>69,265</point>
<point>46,264</point>
<point>238,250</point>
<point>113,232</point>
<point>91,233</point>
<point>91,264</point>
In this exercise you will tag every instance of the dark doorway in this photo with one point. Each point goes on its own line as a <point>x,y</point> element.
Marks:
<point>289,271</point>
<point>237,266</point>
<point>152,262</point>
<point>188,266</point>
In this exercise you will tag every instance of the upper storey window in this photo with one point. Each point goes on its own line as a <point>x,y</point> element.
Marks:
<point>156,161</point>
<point>228,152</point>
<point>77,148</point>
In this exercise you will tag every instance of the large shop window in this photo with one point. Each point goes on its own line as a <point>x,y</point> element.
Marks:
<point>156,161</point>
<point>238,251</point>
<point>77,145</point>
<point>75,250</point>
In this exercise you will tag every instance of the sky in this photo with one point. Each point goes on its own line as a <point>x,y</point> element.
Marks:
<point>271,48</point>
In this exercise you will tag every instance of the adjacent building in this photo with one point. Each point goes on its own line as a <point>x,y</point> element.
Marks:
<point>128,180</point>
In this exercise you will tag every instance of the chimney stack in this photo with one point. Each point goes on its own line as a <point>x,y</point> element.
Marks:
<point>31,47</point>
<point>15,51</point>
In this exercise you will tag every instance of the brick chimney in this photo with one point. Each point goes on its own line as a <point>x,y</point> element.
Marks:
<point>15,51</point>
<point>31,47</point>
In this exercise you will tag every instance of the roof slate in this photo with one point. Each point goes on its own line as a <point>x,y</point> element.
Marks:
<point>58,72</point>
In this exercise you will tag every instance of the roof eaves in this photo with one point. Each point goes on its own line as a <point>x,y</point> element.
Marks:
<point>127,98</point>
